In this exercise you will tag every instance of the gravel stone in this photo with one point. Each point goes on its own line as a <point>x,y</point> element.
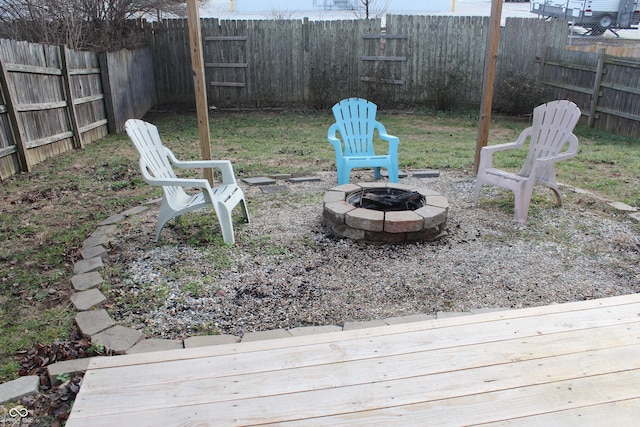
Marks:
<point>286,271</point>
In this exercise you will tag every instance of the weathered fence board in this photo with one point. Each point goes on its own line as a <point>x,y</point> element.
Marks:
<point>267,63</point>
<point>606,88</point>
<point>53,99</point>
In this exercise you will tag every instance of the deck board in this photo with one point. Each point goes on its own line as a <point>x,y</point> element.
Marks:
<point>551,365</point>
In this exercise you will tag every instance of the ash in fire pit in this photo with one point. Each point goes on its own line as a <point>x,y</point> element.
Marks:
<point>386,199</point>
<point>385,213</point>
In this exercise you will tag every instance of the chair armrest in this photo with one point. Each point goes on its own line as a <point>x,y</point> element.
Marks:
<point>486,153</point>
<point>225,167</point>
<point>393,141</point>
<point>176,182</point>
<point>333,139</point>
<point>569,153</point>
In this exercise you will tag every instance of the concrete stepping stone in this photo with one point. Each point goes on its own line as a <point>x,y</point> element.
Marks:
<point>408,319</point>
<point>427,173</point>
<point>97,240</point>
<point>84,281</point>
<point>447,314</point>
<point>314,330</point>
<point>135,211</point>
<point>95,252</point>
<point>349,326</point>
<point>118,339</point>
<point>623,207</point>
<point>296,180</point>
<point>155,344</point>
<point>87,265</point>
<point>85,300</point>
<point>261,180</point>
<point>105,229</point>
<point>93,321</point>
<point>66,367</point>
<point>113,219</point>
<point>266,335</point>
<point>19,388</point>
<point>207,340</point>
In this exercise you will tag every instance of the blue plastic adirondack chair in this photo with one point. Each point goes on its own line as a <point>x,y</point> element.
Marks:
<point>356,122</point>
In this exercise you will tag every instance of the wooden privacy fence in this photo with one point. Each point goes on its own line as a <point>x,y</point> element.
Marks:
<point>53,99</point>
<point>606,88</point>
<point>278,62</point>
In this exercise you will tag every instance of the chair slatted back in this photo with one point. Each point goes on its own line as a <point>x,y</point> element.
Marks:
<point>153,155</point>
<point>356,118</point>
<point>553,122</point>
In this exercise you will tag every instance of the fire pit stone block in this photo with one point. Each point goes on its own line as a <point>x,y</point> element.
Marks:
<point>402,222</point>
<point>365,219</point>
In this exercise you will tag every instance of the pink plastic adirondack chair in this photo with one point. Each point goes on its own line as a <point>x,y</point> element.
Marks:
<point>549,135</point>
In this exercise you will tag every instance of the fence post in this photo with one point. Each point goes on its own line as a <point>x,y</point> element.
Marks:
<point>18,138</point>
<point>103,60</point>
<point>596,87</point>
<point>71,107</point>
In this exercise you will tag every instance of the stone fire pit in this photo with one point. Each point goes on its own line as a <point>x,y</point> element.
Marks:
<point>424,220</point>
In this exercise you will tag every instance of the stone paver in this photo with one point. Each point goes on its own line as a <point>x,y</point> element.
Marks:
<point>261,180</point>
<point>206,340</point>
<point>84,281</point>
<point>93,321</point>
<point>135,211</point>
<point>97,240</point>
<point>635,216</point>
<point>314,330</point>
<point>95,252</point>
<point>66,367</point>
<point>447,314</point>
<point>87,265</point>
<point>105,230</point>
<point>622,207</point>
<point>118,339</point>
<point>113,219</point>
<point>85,300</point>
<point>487,310</point>
<point>154,344</point>
<point>349,326</point>
<point>266,335</point>
<point>428,173</point>
<point>304,179</point>
<point>18,388</point>
<point>408,319</point>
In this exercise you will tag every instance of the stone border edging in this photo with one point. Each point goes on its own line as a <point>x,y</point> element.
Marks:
<point>96,323</point>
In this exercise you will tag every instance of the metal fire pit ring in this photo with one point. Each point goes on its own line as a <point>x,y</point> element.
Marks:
<point>343,219</point>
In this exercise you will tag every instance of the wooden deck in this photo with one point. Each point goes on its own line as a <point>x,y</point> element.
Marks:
<point>561,365</point>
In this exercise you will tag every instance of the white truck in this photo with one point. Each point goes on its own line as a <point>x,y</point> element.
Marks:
<point>597,16</point>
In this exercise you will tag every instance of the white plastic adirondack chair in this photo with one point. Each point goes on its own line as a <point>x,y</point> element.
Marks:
<point>156,163</point>
<point>356,123</point>
<point>549,134</point>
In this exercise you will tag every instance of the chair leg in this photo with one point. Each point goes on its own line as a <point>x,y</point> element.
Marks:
<point>477,195</point>
<point>226,223</point>
<point>343,175</point>
<point>376,173</point>
<point>557,193</point>
<point>521,205</point>
<point>393,173</point>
